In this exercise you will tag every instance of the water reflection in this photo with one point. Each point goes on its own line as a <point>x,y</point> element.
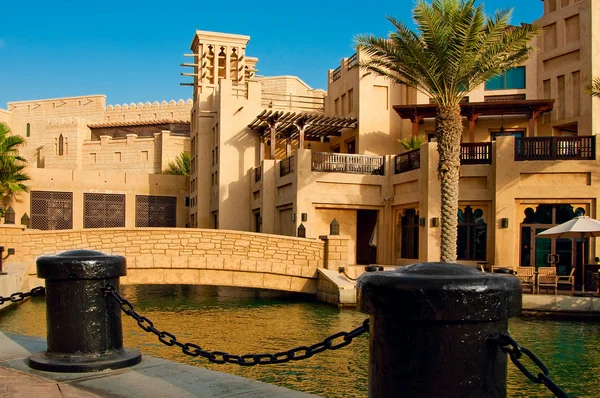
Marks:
<point>248,324</point>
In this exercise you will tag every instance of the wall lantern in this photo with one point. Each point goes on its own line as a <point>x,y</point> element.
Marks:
<point>421,222</point>
<point>304,217</point>
<point>301,231</point>
<point>334,227</point>
<point>25,220</point>
<point>504,222</point>
<point>435,222</point>
<point>293,217</point>
<point>9,216</point>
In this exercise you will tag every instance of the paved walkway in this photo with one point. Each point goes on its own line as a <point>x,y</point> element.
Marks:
<point>15,384</point>
<point>153,377</point>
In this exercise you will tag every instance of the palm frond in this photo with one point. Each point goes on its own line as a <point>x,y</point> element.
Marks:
<point>593,88</point>
<point>12,176</point>
<point>454,49</point>
<point>180,166</point>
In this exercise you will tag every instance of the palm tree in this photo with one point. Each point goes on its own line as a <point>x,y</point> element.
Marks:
<point>455,49</point>
<point>12,176</point>
<point>594,88</point>
<point>181,165</point>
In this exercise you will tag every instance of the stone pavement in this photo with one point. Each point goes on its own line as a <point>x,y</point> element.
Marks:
<point>14,384</point>
<point>153,377</point>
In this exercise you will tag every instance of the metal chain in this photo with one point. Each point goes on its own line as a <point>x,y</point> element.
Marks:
<point>19,296</point>
<point>508,345</point>
<point>348,276</point>
<point>333,342</point>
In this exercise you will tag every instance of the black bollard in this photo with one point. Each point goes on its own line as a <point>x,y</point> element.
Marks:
<point>83,325</point>
<point>429,325</point>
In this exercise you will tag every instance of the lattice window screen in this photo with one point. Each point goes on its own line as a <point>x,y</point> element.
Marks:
<point>103,210</point>
<point>51,210</point>
<point>155,211</point>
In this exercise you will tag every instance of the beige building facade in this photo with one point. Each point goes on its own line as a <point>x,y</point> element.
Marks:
<point>273,155</point>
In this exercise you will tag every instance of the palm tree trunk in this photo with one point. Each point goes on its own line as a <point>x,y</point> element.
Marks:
<point>448,133</point>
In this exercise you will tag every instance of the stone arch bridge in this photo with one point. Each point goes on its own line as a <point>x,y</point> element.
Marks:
<point>189,256</point>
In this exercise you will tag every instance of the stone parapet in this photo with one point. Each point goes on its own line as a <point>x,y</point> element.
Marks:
<point>336,251</point>
<point>191,256</point>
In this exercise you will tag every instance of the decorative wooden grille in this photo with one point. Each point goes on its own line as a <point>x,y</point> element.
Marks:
<point>555,148</point>
<point>476,153</point>
<point>51,210</point>
<point>407,161</point>
<point>155,211</point>
<point>286,166</point>
<point>103,210</point>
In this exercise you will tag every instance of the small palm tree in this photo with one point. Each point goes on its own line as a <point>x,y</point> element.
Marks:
<point>413,142</point>
<point>593,88</point>
<point>456,48</point>
<point>180,166</point>
<point>12,175</point>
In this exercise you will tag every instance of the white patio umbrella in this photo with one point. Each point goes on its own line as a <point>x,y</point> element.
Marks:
<point>579,227</point>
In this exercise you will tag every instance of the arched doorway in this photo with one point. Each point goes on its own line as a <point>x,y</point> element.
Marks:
<point>563,253</point>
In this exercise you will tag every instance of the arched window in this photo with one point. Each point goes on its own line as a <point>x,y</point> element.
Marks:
<point>61,144</point>
<point>28,130</point>
<point>472,235</point>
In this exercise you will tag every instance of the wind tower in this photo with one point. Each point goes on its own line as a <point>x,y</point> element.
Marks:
<point>215,56</point>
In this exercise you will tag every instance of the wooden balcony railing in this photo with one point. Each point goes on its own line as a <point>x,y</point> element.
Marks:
<point>292,102</point>
<point>257,173</point>
<point>407,161</point>
<point>476,153</point>
<point>352,62</point>
<point>348,163</point>
<point>286,166</point>
<point>337,73</point>
<point>555,148</point>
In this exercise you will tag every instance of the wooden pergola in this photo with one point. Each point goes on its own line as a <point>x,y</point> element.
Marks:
<point>472,111</point>
<point>300,125</point>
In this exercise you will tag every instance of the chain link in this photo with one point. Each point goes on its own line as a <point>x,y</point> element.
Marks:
<point>509,346</point>
<point>19,296</point>
<point>333,342</point>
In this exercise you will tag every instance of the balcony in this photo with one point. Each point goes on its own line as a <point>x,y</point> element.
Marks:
<point>476,153</point>
<point>287,166</point>
<point>337,73</point>
<point>555,148</point>
<point>407,161</point>
<point>348,163</point>
<point>257,173</point>
<point>302,103</point>
<point>470,153</point>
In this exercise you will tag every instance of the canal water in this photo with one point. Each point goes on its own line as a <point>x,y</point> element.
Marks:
<point>219,319</point>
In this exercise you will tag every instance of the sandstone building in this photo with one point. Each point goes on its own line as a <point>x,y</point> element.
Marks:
<point>273,155</point>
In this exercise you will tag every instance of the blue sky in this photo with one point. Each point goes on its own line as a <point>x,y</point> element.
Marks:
<point>131,50</point>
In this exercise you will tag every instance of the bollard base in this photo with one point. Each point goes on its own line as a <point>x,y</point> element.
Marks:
<point>50,362</point>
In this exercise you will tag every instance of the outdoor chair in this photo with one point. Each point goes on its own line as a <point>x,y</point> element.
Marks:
<point>567,280</point>
<point>527,277</point>
<point>547,278</point>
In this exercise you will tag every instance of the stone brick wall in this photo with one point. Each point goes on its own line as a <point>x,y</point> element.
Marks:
<point>133,154</point>
<point>191,256</point>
